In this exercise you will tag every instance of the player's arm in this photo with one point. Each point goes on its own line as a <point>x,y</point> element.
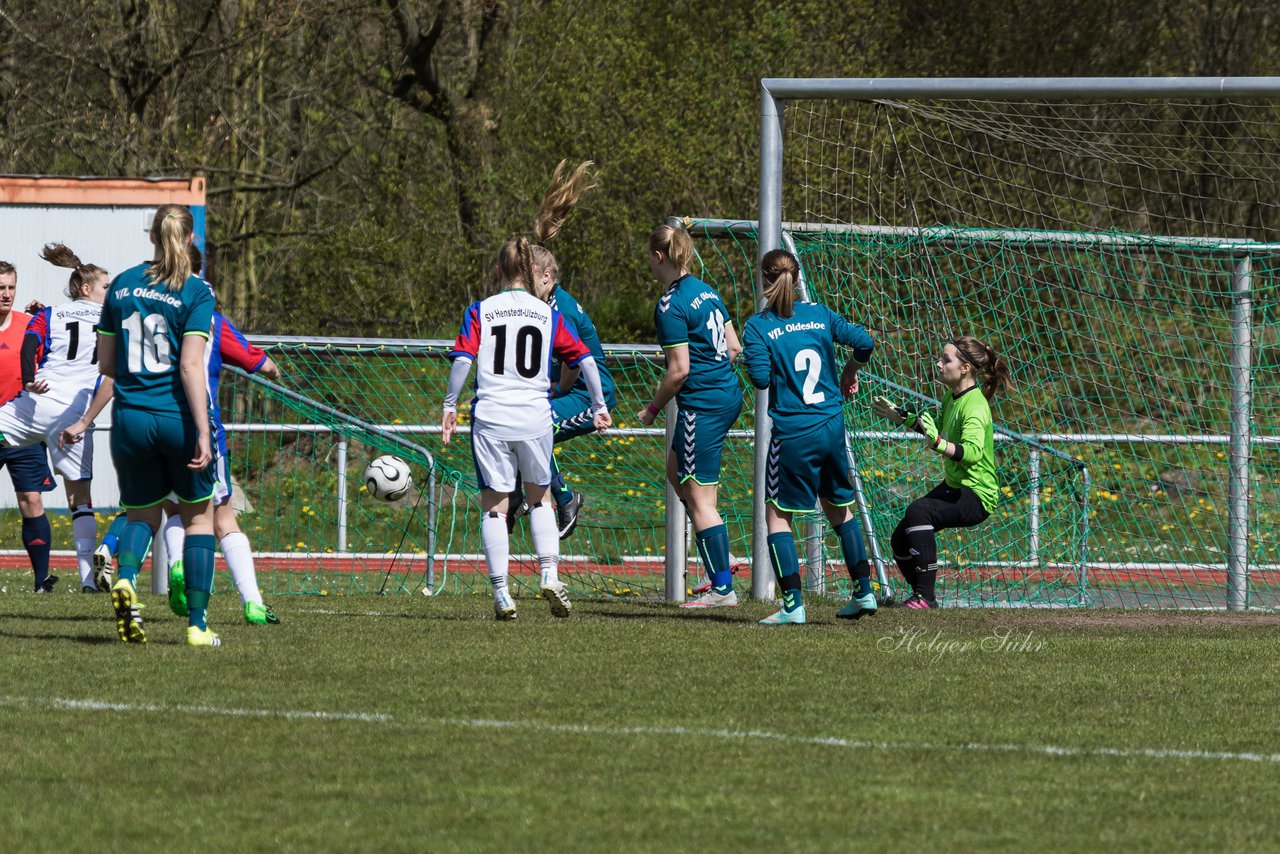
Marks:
<point>195,384</point>
<point>238,352</point>
<point>860,341</point>
<point>107,354</point>
<point>672,381</point>
<point>33,344</point>
<point>457,378</point>
<point>101,397</point>
<point>732,342</point>
<point>756,355</point>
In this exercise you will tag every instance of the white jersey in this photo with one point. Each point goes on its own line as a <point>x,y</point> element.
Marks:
<point>511,336</point>
<point>68,359</point>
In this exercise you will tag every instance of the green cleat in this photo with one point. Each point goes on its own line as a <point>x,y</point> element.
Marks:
<point>197,636</point>
<point>858,607</point>
<point>260,615</point>
<point>177,590</point>
<point>124,599</point>
<point>785,618</point>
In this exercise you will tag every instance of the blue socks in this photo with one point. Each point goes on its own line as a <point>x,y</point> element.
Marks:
<point>111,539</point>
<point>197,568</point>
<point>855,556</point>
<point>36,535</point>
<point>786,568</point>
<point>135,540</point>
<point>713,546</point>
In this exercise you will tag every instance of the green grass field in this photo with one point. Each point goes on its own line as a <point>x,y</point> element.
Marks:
<point>405,723</point>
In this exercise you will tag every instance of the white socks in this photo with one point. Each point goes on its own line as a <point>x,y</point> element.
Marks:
<point>497,551</point>
<point>239,557</point>
<point>84,530</point>
<point>546,540</point>
<point>174,538</point>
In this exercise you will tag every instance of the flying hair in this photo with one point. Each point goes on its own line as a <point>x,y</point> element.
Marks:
<point>563,193</point>
<point>82,274</point>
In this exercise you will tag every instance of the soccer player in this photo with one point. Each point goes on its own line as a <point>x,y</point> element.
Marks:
<point>790,350</point>
<point>511,337</point>
<point>61,387</point>
<point>153,336</point>
<point>227,346</point>
<point>571,408</point>
<point>963,437</point>
<point>28,467</point>
<point>700,344</point>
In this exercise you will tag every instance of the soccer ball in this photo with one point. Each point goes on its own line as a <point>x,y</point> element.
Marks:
<point>387,478</point>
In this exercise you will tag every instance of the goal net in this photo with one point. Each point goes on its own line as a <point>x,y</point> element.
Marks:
<point>1111,239</point>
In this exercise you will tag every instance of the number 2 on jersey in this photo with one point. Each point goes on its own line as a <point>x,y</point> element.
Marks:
<point>148,343</point>
<point>809,363</point>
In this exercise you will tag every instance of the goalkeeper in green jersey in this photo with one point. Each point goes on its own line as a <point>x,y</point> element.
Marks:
<point>790,350</point>
<point>962,434</point>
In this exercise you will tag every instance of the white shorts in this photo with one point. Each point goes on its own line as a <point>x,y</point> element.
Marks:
<point>498,460</point>
<point>30,419</point>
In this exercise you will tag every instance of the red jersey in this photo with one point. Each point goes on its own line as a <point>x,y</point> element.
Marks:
<point>11,355</point>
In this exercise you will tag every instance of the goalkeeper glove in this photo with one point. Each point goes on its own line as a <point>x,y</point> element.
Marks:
<point>886,408</point>
<point>928,429</point>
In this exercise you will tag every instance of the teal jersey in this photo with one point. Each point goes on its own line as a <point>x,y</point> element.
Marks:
<point>795,358</point>
<point>691,313</point>
<point>147,322</point>
<point>580,322</point>
<point>966,422</point>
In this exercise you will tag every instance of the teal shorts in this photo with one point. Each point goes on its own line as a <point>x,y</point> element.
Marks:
<point>802,468</point>
<point>698,442</point>
<point>151,451</point>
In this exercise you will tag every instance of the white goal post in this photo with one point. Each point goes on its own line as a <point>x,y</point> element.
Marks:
<point>1241,254</point>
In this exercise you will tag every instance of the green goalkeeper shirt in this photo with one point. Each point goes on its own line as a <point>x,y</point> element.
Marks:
<point>966,423</point>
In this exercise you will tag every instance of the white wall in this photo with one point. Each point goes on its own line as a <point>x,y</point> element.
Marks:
<point>114,238</point>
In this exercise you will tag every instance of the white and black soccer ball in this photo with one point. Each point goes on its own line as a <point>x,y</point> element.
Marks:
<point>387,478</point>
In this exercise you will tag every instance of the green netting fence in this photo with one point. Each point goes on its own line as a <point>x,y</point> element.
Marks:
<point>1112,453</point>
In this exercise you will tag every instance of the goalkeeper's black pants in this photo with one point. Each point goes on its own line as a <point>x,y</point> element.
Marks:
<point>915,547</point>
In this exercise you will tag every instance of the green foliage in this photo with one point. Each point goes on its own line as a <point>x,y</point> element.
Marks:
<point>360,180</point>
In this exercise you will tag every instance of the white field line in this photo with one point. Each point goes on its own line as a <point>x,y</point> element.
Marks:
<point>621,731</point>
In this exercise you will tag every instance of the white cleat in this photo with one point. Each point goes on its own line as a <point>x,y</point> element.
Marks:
<point>103,569</point>
<point>504,608</point>
<point>712,599</point>
<point>557,597</point>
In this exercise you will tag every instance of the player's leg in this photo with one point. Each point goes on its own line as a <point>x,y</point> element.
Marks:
<point>534,459</point>
<point>29,471</point>
<point>104,556</point>
<point>143,486</point>
<point>84,530</point>
<point>75,464</point>
<point>830,458</point>
<point>176,438</point>
<point>496,474</point>
<point>238,554</point>
<point>944,507</point>
<point>696,447</point>
<point>572,416</point>
<point>786,568</point>
<point>174,534</point>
